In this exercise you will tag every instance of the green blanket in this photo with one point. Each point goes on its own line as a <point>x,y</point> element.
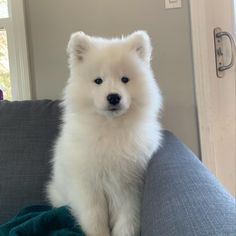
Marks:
<point>42,221</point>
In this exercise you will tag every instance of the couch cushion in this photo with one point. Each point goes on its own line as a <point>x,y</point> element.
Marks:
<point>27,132</point>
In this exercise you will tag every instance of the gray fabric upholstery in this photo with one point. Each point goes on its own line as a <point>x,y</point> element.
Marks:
<point>27,132</point>
<point>181,197</point>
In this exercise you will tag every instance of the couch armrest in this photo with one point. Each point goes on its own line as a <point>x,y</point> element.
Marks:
<point>181,197</point>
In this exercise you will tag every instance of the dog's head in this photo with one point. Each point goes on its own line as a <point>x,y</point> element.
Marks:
<point>111,76</point>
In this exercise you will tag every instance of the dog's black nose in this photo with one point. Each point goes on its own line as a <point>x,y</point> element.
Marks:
<point>113,98</point>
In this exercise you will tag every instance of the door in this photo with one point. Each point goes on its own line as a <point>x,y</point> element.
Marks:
<point>215,96</point>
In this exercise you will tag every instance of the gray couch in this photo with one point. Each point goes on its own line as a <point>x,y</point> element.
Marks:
<point>180,197</point>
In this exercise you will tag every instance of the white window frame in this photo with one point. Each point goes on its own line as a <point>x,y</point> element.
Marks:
<point>17,50</point>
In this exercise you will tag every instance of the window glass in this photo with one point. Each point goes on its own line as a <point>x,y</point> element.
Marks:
<point>5,84</point>
<point>3,9</point>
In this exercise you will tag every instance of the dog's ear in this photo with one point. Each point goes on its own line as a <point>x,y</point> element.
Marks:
<point>141,43</point>
<point>78,45</point>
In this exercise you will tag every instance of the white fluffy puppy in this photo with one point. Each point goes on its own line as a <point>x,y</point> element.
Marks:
<point>109,133</point>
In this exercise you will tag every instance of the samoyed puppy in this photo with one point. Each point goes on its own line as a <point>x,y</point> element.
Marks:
<point>110,131</point>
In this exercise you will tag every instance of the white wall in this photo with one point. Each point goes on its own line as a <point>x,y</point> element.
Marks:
<point>50,23</point>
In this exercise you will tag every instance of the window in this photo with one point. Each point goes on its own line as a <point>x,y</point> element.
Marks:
<point>14,68</point>
<point>3,9</point>
<point>5,82</point>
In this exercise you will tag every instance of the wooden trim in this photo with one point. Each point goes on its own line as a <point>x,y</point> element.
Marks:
<point>202,85</point>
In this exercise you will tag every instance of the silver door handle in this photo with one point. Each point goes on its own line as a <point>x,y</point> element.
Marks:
<point>218,39</point>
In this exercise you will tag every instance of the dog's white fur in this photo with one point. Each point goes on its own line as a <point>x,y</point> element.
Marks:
<point>101,155</point>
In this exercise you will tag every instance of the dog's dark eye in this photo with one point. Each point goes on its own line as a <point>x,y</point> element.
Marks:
<point>98,81</point>
<point>125,80</point>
